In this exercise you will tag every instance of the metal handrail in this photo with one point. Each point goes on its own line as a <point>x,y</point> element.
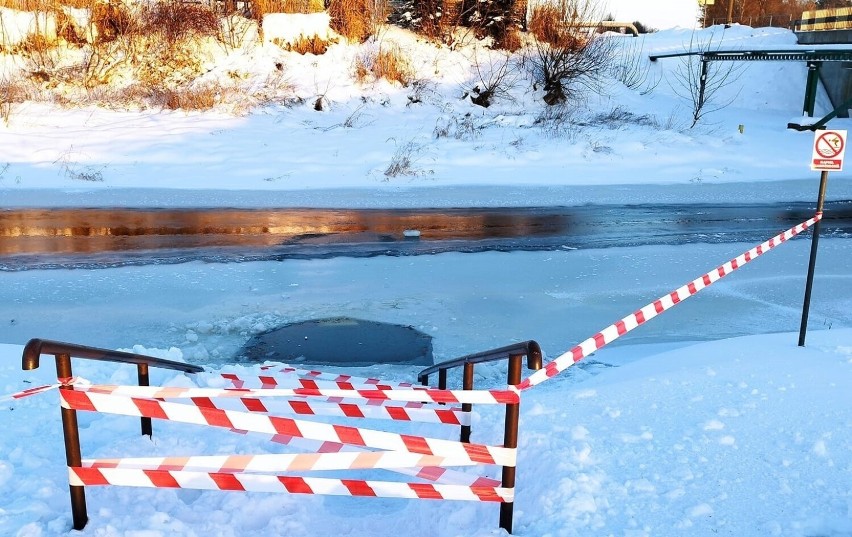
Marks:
<point>514,353</point>
<point>63,352</point>
<point>530,349</point>
<point>36,347</point>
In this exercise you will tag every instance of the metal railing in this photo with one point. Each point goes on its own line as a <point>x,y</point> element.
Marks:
<point>63,352</point>
<point>514,354</point>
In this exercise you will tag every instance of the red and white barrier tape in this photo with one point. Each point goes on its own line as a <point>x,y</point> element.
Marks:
<point>39,389</point>
<point>431,473</point>
<point>448,416</point>
<point>294,485</point>
<point>336,377</point>
<point>270,463</point>
<point>301,378</point>
<point>185,413</point>
<point>625,325</point>
<point>271,382</point>
<point>482,397</point>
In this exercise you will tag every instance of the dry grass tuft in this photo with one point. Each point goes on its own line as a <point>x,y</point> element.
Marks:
<point>512,40</point>
<point>356,20</point>
<point>202,98</point>
<point>305,45</point>
<point>387,63</point>
<point>42,6</point>
<point>548,25</point>
<point>259,8</point>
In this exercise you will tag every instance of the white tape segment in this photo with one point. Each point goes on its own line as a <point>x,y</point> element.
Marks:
<point>625,325</point>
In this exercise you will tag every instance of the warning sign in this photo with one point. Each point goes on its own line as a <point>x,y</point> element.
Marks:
<point>829,147</point>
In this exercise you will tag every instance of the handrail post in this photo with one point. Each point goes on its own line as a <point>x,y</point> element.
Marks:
<point>73,456</point>
<point>510,440</point>
<point>144,380</point>
<point>467,384</point>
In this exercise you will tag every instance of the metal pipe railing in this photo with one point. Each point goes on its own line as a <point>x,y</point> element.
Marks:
<point>514,354</point>
<point>530,349</point>
<point>63,352</point>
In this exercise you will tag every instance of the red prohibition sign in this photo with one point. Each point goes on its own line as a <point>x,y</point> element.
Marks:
<point>829,145</point>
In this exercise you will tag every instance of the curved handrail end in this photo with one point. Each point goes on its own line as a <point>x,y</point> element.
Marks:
<point>31,355</point>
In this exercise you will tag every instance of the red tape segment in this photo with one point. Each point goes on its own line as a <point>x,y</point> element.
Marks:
<point>625,325</point>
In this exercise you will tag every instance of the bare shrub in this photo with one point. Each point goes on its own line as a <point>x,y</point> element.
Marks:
<point>111,20</point>
<point>233,30</point>
<point>305,45</point>
<point>356,20</point>
<point>494,79</point>
<point>384,62</point>
<point>176,20</point>
<point>41,54</point>
<point>12,91</point>
<point>463,128</point>
<point>570,56</point>
<point>701,82</point>
<point>633,68</point>
<point>404,161</point>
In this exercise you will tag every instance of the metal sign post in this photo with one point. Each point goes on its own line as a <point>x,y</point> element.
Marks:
<point>829,148</point>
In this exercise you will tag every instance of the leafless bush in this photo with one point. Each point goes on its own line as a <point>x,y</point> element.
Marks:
<point>73,170</point>
<point>569,55</point>
<point>633,69</point>
<point>176,20</point>
<point>404,160</point>
<point>12,91</point>
<point>494,79</point>
<point>259,8</point>
<point>112,20</point>
<point>463,128</point>
<point>701,82</point>
<point>40,52</point>
<point>233,30</point>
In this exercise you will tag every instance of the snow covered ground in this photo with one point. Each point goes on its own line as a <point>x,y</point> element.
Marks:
<point>711,422</point>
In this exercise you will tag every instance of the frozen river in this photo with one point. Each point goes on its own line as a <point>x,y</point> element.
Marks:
<point>466,301</point>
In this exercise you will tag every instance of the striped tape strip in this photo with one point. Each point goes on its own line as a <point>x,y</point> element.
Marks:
<point>448,416</point>
<point>431,473</point>
<point>184,413</point>
<point>40,389</point>
<point>272,382</point>
<point>483,397</point>
<point>252,381</point>
<point>337,377</point>
<point>29,392</point>
<point>625,325</point>
<point>280,462</point>
<point>285,484</point>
